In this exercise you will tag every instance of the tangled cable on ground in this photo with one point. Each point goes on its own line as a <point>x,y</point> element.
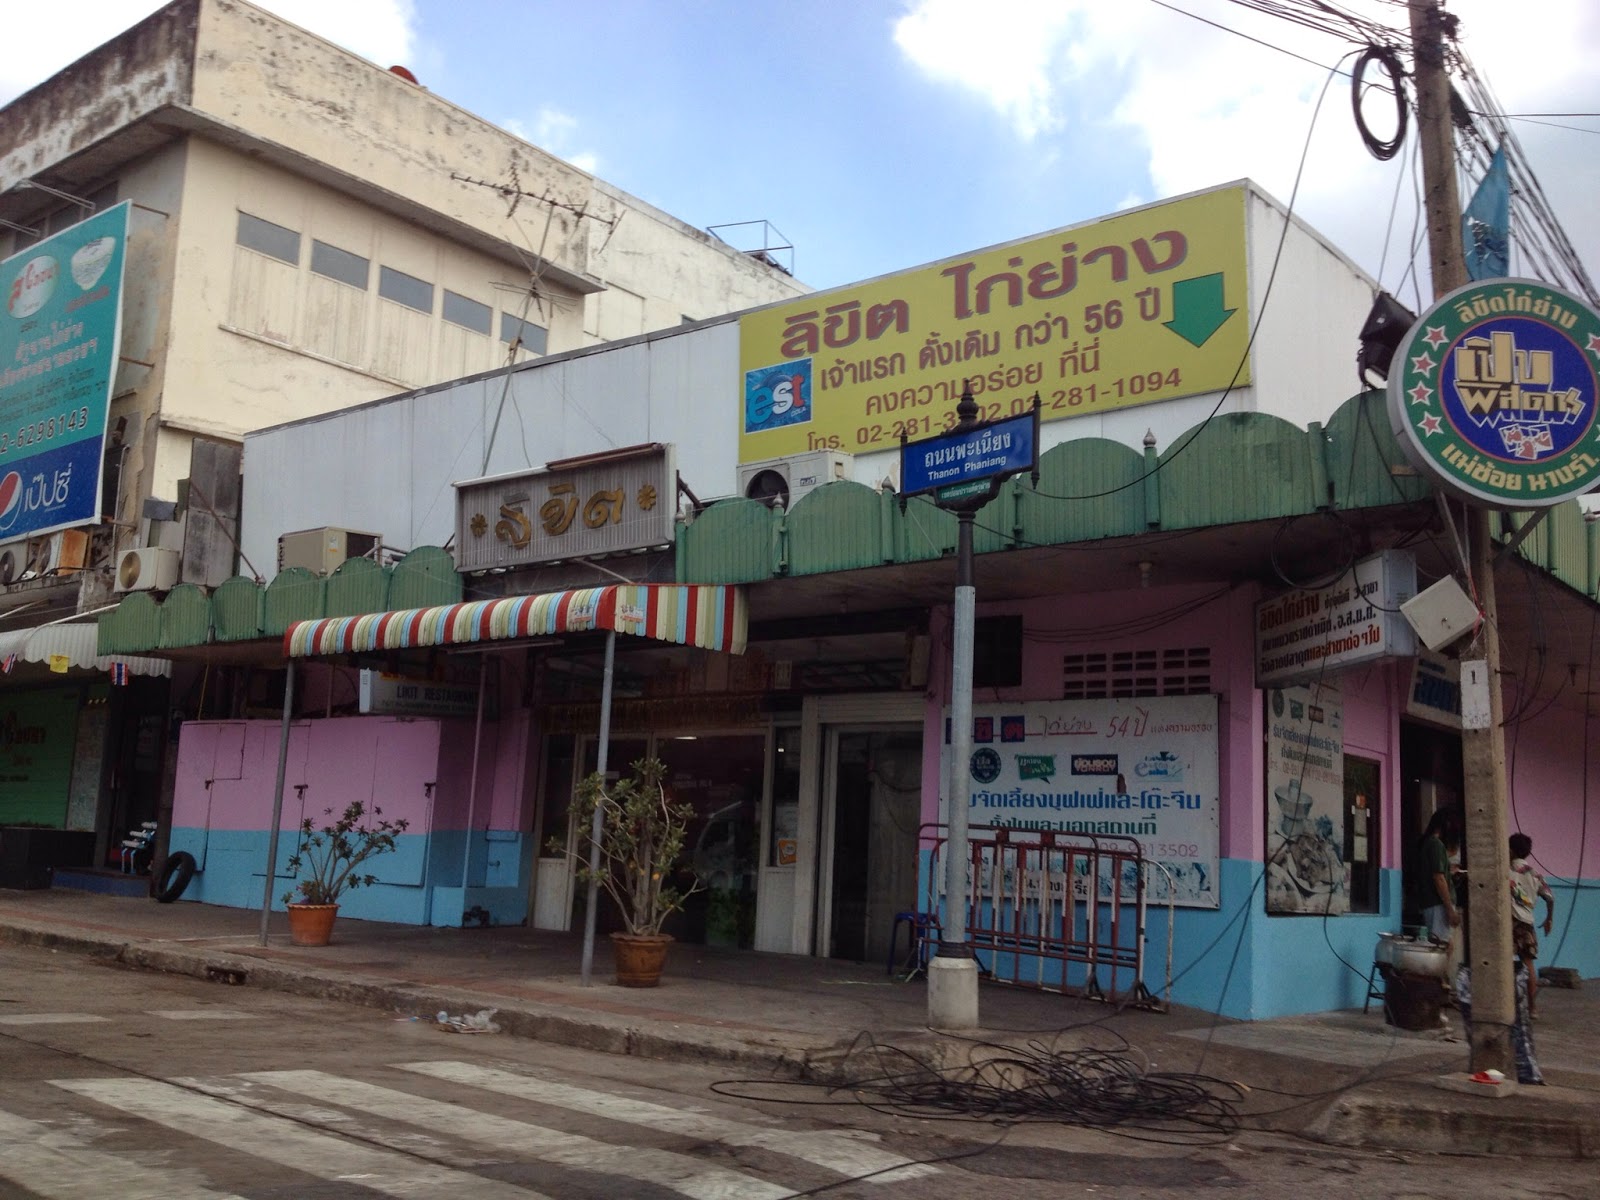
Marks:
<point>1111,1089</point>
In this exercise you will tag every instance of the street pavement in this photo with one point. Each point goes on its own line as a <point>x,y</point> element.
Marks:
<point>1347,1078</point>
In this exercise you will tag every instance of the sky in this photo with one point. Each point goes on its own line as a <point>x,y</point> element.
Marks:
<point>877,135</point>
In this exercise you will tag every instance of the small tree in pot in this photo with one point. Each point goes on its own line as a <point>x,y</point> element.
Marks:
<point>642,830</point>
<point>330,855</point>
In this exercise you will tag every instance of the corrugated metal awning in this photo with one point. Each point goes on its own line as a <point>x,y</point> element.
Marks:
<point>709,616</point>
<point>77,643</point>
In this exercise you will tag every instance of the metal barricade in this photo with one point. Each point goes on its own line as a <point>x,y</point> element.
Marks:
<point>1061,912</point>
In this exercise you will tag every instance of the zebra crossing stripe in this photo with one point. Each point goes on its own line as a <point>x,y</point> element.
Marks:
<point>53,1019</point>
<point>843,1152</point>
<point>58,1166</point>
<point>679,1172</point>
<point>290,1144</point>
<point>198,1014</point>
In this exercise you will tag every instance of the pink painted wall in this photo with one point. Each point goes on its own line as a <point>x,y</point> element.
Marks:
<point>1550,792</point>
<point>1174,617</point>
<point>226,771</point>
<point>382,760</point>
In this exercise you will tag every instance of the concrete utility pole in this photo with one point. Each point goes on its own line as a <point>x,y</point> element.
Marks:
<point>953,972</point>
<point>1483,751</point>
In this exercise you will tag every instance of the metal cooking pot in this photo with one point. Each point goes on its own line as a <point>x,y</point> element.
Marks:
<point>1415,956</point>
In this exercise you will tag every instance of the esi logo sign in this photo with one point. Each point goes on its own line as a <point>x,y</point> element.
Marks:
<point>1495,394</point>
<point>777,396</point>
<point>10,499</point>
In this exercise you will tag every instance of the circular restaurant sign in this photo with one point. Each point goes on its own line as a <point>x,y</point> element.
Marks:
<point>1493,394</point>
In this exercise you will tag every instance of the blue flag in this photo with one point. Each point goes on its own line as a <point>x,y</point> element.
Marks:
<point>1486,225</point>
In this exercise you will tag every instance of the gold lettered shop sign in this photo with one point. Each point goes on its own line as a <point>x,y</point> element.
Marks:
<point>1128,310</point>
<point>1493,394</point>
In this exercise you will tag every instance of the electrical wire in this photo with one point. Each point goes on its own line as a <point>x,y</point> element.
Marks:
<point>1194,433</point>
<point>1108,1088</point>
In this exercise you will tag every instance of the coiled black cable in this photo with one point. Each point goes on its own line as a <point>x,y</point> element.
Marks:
<point>1381,149</point>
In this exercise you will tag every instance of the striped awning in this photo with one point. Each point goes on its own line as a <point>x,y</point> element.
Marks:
<point>709,616</point>
<point>74,644</point>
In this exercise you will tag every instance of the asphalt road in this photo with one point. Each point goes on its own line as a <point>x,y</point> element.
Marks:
<point>121,1084</point>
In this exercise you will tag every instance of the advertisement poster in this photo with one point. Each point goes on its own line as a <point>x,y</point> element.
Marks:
<point>1306,871</point>
<point>59,337</point>
<point>1132,309</point>
<point>37,732</point>
<point>1141,768</point>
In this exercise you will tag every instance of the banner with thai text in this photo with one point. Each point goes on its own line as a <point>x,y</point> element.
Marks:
<point>1139,768</point>
<point>1144,306</point>
<point>59,341</point>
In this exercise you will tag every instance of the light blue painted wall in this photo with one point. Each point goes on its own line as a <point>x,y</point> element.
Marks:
<point>418,884</point>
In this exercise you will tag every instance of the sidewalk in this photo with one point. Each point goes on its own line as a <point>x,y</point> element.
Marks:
<point>1341,1077</point>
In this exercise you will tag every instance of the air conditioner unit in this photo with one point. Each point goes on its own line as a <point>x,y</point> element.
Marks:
<point>322,550</point>
<point>784,481</point>
<point>13,562</point>
<point>50,556</point>
<point>146,569</point>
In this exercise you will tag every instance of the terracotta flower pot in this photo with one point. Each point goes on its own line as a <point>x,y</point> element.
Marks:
<point>640,957</point>
<point>311,924</point>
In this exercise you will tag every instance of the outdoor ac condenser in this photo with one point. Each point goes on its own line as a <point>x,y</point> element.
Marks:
<point>785,481</point>
<point>146,569</point>
<point>320,551</point>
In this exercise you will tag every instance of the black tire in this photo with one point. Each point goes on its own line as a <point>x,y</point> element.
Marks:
<point>175,875</point>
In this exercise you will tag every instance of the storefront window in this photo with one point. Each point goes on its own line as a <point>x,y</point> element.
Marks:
<point>720,775</point>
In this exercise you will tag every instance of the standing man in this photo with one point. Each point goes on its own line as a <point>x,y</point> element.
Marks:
<point>1434,883</point>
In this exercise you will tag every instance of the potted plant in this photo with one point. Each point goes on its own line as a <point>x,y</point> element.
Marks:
<point>642,831</point>
<point>329,857</point>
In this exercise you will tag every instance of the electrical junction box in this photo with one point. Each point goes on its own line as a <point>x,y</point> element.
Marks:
<point>1441,613</point>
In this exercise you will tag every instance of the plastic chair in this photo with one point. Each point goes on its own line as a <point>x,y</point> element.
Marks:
<point>922,927</point>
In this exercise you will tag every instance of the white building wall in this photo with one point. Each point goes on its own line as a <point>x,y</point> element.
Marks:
<point>684,387</point>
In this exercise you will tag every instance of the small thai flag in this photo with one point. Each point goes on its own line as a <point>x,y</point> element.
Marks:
<point>11,661</point>
<point>119,674</point>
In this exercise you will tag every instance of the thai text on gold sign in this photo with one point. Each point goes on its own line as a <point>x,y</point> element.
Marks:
<point>1128,310</point>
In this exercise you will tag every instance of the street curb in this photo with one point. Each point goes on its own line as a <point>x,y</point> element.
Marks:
<point>1512,1127</point>
<point>603,1032</point>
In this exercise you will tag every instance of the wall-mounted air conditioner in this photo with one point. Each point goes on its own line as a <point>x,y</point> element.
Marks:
<point>784,481</point>
<point>13,562</point>
<point>320,551</point>
<point>146,569</point>
<point>52,555</point>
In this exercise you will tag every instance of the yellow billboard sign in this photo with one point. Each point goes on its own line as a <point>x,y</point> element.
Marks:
<point>1132,309</point>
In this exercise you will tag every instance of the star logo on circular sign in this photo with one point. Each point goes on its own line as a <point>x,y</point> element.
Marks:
<point>1498,394</point>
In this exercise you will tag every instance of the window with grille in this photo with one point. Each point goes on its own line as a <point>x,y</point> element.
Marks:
<point>1172,671</point>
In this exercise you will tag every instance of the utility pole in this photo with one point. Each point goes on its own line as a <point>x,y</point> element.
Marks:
<point>953,972</point>
<point>1483,750</point>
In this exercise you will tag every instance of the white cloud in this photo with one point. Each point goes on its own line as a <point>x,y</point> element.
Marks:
<point>553,132</point>
<point>1209,106</point>
<point>1007,51</point>
<point>384,31</point>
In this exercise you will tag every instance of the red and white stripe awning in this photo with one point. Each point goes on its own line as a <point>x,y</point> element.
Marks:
<point>713,617</point>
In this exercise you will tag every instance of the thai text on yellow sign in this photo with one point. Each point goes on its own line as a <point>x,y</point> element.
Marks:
<point>1132,309</point>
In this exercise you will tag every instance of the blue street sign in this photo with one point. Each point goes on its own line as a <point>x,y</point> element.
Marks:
<point>991,451</point>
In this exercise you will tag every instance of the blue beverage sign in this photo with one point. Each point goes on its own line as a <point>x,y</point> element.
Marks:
<point>59,335</point>
<point>991,451</point>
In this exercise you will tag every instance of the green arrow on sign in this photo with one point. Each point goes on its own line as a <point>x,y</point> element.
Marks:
<point>1197,310</point>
